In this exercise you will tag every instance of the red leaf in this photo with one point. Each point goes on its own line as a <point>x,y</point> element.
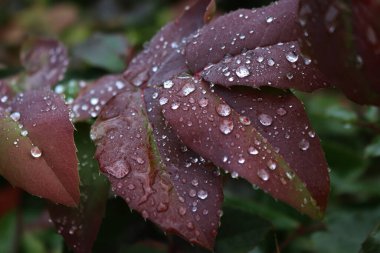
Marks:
<point>263,137</point>
<point>281,66</point>
<point>38,152</point>
<point>352,32</point>
<point>234,33</point>
<point>45,61</point>
<point>155,174</point>
<point>79,226</point>
<point>93,97</point>
<point>166,43</point>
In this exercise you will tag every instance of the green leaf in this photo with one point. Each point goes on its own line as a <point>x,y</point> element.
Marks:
<point>373,150</point>
<point>372,243</point>
<point>7,232</point>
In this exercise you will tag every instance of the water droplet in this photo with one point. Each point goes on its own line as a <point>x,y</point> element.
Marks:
<point>252,151</point>
<point>94,101</point>
<point>271,62</point>
<point>203,102</point>
<point>35,152</point>
<point>260,59</point>
<point>226,126</point>
<point>241,160</point>
<point>155,95</point>
<point>15,116</point>
<point>311,134</point>
<point>263,174</point>
<point>242,71</point>
<point>175,105</point>
<point>118,169</point>
<point>290,175</point>
<point>192,193</point>
<point>168,84</point>
<point>244,120</point>
<point>163,100</point>
<point>304,144</point>
<point>182,211</point>
<point>202,194</point>
<point>265,119</point>
<point>281,111</point>
<point>162,207</point>
<point>271,165</point>
<point>24,133</point>
<point>234,175</point>
<point>120,85</point>
<point>187,89</point>
<point>292,57</point>
<point>223,110</point>
<point>190,225</point>
<point>269,20</point>
<point>195,182</point>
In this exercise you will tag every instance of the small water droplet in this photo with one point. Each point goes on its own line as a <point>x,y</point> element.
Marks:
<point>263,174</point>
<point>203,102</point>
<point>290,175</point>
<point>35,152</point>
<point>304,144</point>
<point>242,71</point>
<point>194,182</point>
<point>168,84</point>
<point>281,111</point>
<point>155,95</point>
<point>241,160</point>
<point>311,134</point>
<point>252,151</point>
<point>269,20</point>
<point>271,62</point>
<point>226,126</point>
<point>94,101</point>
<point>292,57</point>
<point>271,165</point>
<point>162,207</point>
<point>24,133</point>
<point>202,194</point>
<point>15,116</point>
<point>223,110</point>
<point>182,211</point>
<point>187,89</point>
<point>163,100</point>
<point>192,193</point>
<point>260,59</point>
<point>190,225</point>
<point>265,119</point>
<point>175,105</point>
<point>244,120</point>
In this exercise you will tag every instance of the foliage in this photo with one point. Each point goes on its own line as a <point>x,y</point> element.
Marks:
<point>206,97</point>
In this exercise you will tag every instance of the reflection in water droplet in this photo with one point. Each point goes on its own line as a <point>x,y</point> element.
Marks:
<point>263,174</point>
<point>223,110</point>
<point>242,71</point>
<point>35,152</point>
<point>265,119</point>
<point>304,144</point>
<point>226,126</point>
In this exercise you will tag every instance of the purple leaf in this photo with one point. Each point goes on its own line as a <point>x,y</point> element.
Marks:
<point>37,147</point>
<point>281,66</point>
<point>166,43</point>
<point>242,30</point>
<point>154,173</point>
<point>263,137</point>
<point>94,96</point>
<point>45,62</point>
<point>351,29</point>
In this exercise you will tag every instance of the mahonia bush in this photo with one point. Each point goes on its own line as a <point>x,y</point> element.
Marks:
<point>206,96</point>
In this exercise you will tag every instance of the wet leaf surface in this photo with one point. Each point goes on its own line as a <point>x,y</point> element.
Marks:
<point>45,62</point>
<point>352,31</point>
<point>34,138</point>
<point>264,137</point>
<point>79,226</point>
<point>92,98</point>
<point>167,43</point>
<point>155,174</point>
<point>281,66</point>
<point>242,30</point>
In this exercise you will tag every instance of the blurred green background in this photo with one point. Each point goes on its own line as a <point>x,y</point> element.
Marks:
<point>102,36</point>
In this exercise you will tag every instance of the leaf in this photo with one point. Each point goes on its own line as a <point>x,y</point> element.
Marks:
<point>264,137</point>
<point>106,51</point>
<point>45,62</point>
<point>372,243</point>
<point>37,147</point>
<point>79,226</point>
<point>8,231</point>
<point>153,172</point>
<point>166,44</point>
<point>91,99</point>
<point>242,30</point>
<point>281,66</point>
<point>373,150</point>
<point>242,229</point>
<point>352,31</point>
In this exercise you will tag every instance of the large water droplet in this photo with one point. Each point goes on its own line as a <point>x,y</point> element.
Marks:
<point>35,152</point>
<point>263,174</point>
<point>168,84</point>
<point>223,110</point>
<point>119,169</point>
<point>304,144</point>
<point>226,126</point>
<point>187,89</point>
<point>202,194</point>
<point>265,119</point>
<point>292,57</point>
<point>242,71</point>
<point>15,116</point>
